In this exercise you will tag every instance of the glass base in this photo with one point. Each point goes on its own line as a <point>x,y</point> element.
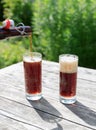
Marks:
<point>34,97</point>
<point>65,100</point>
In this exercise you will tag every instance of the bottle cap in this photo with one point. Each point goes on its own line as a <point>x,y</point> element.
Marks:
<point>8,24</point>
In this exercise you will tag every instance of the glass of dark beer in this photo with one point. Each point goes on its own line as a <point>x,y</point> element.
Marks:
<point>68,78</point>
<point>32,62</point>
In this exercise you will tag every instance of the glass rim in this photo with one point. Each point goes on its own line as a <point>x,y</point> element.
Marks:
<point>38,54</point>
<point>68,55</point>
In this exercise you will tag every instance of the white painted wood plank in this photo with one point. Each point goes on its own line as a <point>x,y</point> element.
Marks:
<point>83,112</point>
<point>53,67</point>
<point>50,103</point>
<point>35,118</point>
<point>9,123</point>
<point>83,73</point>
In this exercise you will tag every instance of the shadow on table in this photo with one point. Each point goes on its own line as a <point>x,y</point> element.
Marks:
<point>83,112</point>
<point>47,112</point>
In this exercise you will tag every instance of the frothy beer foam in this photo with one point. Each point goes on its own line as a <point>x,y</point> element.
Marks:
<point>68,64</point>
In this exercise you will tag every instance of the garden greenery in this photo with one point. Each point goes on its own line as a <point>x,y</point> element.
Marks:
<point>59,26</point>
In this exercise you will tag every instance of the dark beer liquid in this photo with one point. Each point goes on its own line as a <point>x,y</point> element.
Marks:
<point>33,76</point>
<point>68,84</point>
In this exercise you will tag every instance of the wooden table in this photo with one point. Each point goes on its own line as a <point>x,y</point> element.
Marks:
<point>17,113</point>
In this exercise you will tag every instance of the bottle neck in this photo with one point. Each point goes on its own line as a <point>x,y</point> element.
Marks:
<point>17,31</point>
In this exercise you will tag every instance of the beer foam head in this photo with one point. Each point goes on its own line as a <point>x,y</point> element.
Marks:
<point>68,63</point>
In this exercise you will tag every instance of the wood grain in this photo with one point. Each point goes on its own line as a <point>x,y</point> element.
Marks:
<point>48,113</point>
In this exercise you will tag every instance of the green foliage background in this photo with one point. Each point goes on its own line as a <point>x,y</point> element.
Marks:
<point>59,26</point>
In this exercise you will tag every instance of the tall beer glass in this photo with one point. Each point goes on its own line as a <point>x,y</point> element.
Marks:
<point>68,78</point>
<point>32,62</point>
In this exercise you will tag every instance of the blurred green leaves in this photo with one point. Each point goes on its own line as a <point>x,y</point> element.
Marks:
<point>59,26</point>
<point>10,52</point>
<point>68,26</point>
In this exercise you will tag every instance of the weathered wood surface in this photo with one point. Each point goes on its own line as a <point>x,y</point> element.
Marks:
<point>16,113</point>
